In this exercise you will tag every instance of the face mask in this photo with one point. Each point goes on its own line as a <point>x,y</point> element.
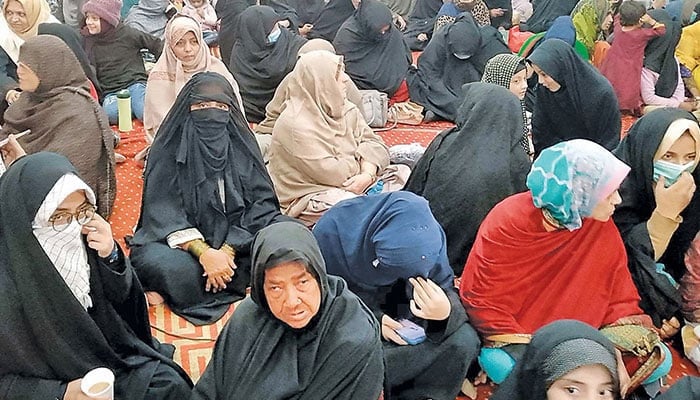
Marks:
<point>670,171</point>
<point>274,35</point>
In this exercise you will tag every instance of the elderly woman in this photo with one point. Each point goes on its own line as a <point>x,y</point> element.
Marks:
<point>185,54</point>
<point>20,21</point>
<point>206,194</point>
<point>659,217</point>
<point>69,298</point>
<point>575,266</point>
<point>392,253</point>
<point>340,157</point>
<point>301,334</point>
<point>64,118</point>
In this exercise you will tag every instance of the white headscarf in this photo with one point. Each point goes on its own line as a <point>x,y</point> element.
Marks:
<point>65,249</point>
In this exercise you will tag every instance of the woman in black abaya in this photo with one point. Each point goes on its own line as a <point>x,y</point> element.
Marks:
<point>206,193</point>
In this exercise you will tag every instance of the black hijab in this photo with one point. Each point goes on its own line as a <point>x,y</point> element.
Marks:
<point>46,332</point>
<point>338,355</point>
<point>585,107</point>
<point>659,55</point>
<point>470,168</point>
<point>660,299</point>
<point>372,59</point>
<point>544,13</point>
<point>436,83</point>
<point>530,378</point>
<point>330,18</point>
<point>72,38</point>
<point>259,66</point>
<point>228,12</point>
<point>192,151</point>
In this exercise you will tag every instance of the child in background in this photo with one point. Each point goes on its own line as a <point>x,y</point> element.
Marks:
<point>204,13</point>
<point>626,55</point>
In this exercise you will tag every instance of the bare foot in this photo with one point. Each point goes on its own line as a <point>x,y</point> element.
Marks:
<point>154,298</point>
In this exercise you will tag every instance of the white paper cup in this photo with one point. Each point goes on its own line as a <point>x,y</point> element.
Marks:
<point>98,384</point>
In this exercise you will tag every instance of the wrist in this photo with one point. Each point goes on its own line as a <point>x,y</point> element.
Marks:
<point>113,256</point>
<point>228,249</point>
<point>197,247</point>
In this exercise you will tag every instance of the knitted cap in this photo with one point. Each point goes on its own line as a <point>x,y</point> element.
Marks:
<point>569,355</point>
<point>108,10</point>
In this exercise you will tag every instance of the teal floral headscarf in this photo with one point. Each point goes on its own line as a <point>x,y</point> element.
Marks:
<point>568,180</point>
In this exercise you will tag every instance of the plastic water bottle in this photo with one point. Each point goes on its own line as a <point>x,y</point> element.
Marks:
<point>124,110</point>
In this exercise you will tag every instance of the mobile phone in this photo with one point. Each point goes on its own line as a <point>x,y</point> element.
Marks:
<point>17,136</point>
<point>411,332</point>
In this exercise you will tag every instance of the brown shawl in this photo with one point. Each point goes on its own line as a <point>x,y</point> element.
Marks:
<point>63,117</point>
<point>169,74</point>
<point>320,137</point>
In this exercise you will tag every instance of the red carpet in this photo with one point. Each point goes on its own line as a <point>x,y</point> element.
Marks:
<point>195,344</point>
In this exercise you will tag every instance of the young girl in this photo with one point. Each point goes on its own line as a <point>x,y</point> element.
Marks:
<point>203,12</point>
<point>626,55</point>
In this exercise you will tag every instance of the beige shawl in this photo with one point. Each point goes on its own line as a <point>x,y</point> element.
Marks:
<point>320,138</point>
<point>169,74</point>
<point>37,11</point>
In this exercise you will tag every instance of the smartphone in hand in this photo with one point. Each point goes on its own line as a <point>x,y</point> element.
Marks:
<point>411,332</point>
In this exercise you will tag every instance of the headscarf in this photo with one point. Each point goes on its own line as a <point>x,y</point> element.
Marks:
<point>587,17</point>
<point>37,12</point>
<point>659,54</point>
<point>372,59</point>
<point>170,74</point>
<point>585,107</point>
<point>333,131</point>
<point>472,166</point>
<point>60,341</point>
<point>257,65</point>
<point>500,70</point>
<point>648,139</point>
<point>337,355</point>
<point>557,349</point>
<point>374,241</point>
<point>569,179</point>
<point>562,28</point>
<point>148,16</point>
<point>65,249</point>
<point>546,11</point>
<point>64,118</point>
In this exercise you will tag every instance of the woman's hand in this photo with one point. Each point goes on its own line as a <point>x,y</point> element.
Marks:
<point>73,391</point>
<point>99,236</point>
<point>497,12</point>
<point>429,300</point>
<point>304,30</point>
<point>359,183</point>
<point>389,328</point>
<point>11,151</point>
<point>669,327</point>
<point>622,374</point>
<point>218,268</point>
<point>672,200</point>
<point>12,95</point>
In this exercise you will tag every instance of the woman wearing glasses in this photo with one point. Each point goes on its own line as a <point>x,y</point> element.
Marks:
<point>69,298</point>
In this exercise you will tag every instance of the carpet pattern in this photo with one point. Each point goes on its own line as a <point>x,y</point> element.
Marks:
<point>194,344</point>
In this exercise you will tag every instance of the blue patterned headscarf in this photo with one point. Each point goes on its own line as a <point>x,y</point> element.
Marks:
<point>568,180</point>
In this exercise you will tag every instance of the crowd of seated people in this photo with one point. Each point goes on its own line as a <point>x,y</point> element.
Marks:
<point>527,245</point>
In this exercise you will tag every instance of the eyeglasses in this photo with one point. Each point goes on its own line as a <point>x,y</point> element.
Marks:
<point>59,222</point>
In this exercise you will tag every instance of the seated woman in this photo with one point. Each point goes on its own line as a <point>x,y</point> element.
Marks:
<point>501,13</point>
<point>544,12</point>
<point>63,117</point>
<point>262,56</point>
<point>184,55</point>
<point>420,23</point>
<point>373,49</point>
<point>575,266</point>
<point>149,16</point>
<point>341,156</point>
<point>574,101</point>
<point>451,9</point>
<point>328,18</point>
<point>392,253</point>
<point>19,21</point>
<point>466,170</point>
<point>206,193</point>
<point>659,214</point>
<point>688,53</point>
<point>593,20</point>
<point>114,49</point>
<point>457,54</point>
<point>69,298</point>
<point>562,28</point>
<point>510,71</point>
<point>301,333</point>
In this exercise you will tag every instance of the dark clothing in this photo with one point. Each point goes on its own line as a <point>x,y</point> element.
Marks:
<point>8,76</point>
<point>337,355</point>
<point>196,152</point>
<point>436,83</point>
<point>117,58</point>
<point>228,12</point>
<point>329,19</point>
<point>259,66</point>
<point>421,20</point>
<point>48,337</point>
<point>468,169</point>
<point>376,243</point>
<point>660,299</point>
<point>505,20</point>
<point>585,107</point>
<point>544,12</point>
<point>660,57</point>
<point>374,60</point>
